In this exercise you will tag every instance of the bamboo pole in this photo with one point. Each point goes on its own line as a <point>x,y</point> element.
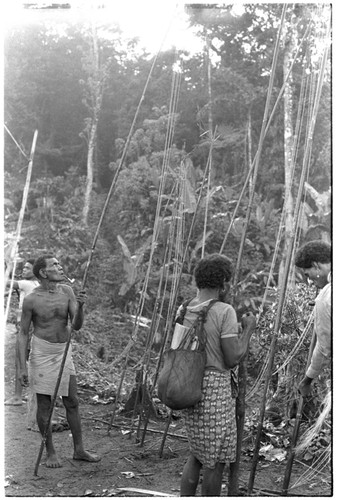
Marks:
<point>118,393</point>
<point>291,452</point>
<point>304,172</point>
<point>168,423</point>
<point>240,406</point>
<point>19,224</point>
<point>247,180</point>
<point>233,479</point>
<point>167,255</point>
<point>211,139</point>
<point>122,160</point>
<point>168,326</point>
<point>141,302</point>
<point>276,329</point>
<point>170,313</point>
<point>120,166</point>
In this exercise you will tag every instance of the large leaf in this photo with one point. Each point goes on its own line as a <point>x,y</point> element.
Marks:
<point>322,200</point>
<point>124,246</point>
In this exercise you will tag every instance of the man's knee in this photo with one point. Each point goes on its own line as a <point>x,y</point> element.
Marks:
<point>70,402</point>
<point>43,405</point>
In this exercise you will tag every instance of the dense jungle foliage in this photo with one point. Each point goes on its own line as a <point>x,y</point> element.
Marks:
<point>56,80</point>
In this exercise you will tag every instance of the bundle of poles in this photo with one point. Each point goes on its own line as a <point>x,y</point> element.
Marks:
<point>175,258</point>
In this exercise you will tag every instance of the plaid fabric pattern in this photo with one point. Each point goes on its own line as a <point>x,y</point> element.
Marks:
<point>211,425</point>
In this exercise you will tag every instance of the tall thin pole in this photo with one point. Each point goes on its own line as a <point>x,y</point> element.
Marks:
<point>252,167</point>
<point>119,168</point>
<point>19,224</point>
<point>259,150</point>
<point>240,403</point>
<point>86,271</point>
<point>294,437</point>
<point>210,135</point>
<point>281,300</point>
<point>291,453</point>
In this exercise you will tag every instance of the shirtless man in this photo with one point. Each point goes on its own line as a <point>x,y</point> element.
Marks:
<point>49,307</point>
<point>24,287</point>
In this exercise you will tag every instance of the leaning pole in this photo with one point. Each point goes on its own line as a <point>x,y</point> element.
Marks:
<point>19,224</point>
<point>278,320</point>
<point>86,271</point>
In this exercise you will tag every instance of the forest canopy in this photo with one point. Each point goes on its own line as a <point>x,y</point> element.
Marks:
<point>90,91</point>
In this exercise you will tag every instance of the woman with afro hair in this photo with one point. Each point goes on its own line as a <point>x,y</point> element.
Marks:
<point>211,424</point>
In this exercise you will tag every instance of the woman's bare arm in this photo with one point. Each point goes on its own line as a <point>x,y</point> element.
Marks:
<point>234,348</point>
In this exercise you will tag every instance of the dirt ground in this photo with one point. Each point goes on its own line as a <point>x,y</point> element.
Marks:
<point>124,463</point>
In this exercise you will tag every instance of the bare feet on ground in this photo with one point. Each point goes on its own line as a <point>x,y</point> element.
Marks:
<point>14,401</point>
<point>53,461</point>
<point>84,455</point>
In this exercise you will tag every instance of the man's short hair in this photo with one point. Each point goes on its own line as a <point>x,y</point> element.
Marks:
<point>41,263</point>
<point>212,271</point>
<point>31,261</point>
<point>313,251</point>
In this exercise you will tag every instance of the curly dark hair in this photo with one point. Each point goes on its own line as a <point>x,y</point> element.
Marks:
<point>212,271</point>
<point>313,251</point>
<point>41,263</point>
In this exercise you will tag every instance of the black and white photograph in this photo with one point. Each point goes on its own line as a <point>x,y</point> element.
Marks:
<point>167,248</point>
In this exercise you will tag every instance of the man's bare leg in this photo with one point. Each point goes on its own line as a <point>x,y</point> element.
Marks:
<point>43,408</point>
<point>16,400</point>
<point>71,405</point>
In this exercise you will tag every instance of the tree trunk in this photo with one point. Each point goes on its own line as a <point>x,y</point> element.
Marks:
<point>288,148</point>
<point>90,173</point>
<point>95,83</point>
<point>249,136</point>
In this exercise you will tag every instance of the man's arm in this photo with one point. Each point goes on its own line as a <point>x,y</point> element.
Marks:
<point>23,338</point>
<point>321,356</point>
<point>76,307</point>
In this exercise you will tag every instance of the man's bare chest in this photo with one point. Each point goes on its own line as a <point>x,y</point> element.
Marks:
<point>51,305</point>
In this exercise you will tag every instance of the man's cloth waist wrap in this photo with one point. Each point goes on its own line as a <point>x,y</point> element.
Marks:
<point>44,366</point>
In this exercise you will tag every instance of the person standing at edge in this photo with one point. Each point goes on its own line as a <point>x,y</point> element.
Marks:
<point>49,307</point>
<point>24,286</point>
<point>314,261</point>
<point>211,424</point>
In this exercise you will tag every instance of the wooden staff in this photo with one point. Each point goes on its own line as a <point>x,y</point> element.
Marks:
<point>166,433</point>
<point>86,272</point>
<point>233,479</point>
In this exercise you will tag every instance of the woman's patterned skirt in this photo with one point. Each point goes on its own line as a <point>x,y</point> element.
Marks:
<point>211,425</point>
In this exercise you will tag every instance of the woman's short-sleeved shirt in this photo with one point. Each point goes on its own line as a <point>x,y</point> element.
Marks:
<point>221,322</point>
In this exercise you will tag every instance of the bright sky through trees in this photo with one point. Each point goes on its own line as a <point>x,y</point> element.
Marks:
<point>158,24</point>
